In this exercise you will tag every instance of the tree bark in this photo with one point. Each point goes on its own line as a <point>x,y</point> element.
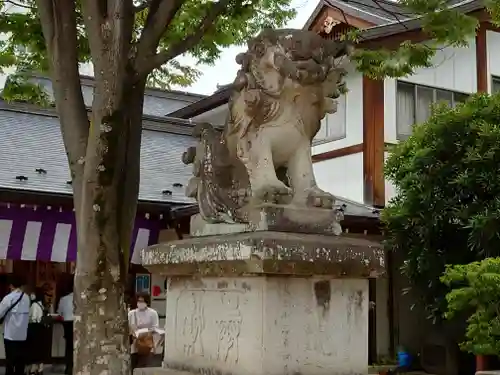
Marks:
<point>109,202</point>
<point>58,18</point>
<point>109,193</point>
<point>104,160</point>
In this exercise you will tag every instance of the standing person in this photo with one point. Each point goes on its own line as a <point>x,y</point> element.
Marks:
<point>143,317</point>
<point>39,331</point>
<point>14,311</point>
<point>65,310</point>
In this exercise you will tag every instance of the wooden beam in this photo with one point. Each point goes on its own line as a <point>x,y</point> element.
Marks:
<point>481,59</point>
<point>489,26</point>
<point>373,142</point>
<point>416,35</point>
<point>337,15</point>
<point>344,151</point>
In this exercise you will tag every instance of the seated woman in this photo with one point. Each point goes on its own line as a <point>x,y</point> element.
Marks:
<point>145,320</point>
<point>39,340</point>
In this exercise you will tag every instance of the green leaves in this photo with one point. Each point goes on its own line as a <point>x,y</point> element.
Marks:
<point>240,21</point>
<point>381,63</point>
<point>445,27</point>
<point>476,290</point>
<point>24,45</point>
<point>18,88</point>
<point>448,207</point>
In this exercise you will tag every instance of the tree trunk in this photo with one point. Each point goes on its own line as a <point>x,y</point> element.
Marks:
<point>107,214</point>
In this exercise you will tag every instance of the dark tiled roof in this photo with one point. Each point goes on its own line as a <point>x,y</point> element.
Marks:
<point>378,12</point>
<point>31,139</point>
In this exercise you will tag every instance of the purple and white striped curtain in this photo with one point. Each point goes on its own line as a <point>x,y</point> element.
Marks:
<point>50,235</point>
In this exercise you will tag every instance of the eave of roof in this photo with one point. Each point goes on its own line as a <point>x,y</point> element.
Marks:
<point>215,100</point>
<point>396,27</point>
<point>34,197</point>
<point>166,124</point>
<point>90,81</point>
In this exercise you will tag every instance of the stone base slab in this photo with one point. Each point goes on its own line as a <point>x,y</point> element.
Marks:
<point>261,253</point>
<point>267,326</point>
<point>278,218</point>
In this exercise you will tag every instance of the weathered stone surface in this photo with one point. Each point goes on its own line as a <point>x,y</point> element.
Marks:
<point>267,326</point>
<point>288,81</point>
<point>266,253</point>
<point>278,218</point>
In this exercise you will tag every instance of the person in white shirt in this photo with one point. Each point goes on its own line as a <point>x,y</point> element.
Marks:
<point>14,310</point>
<point>38,348</point>
<point>66,311</point>
<point>141,317</point>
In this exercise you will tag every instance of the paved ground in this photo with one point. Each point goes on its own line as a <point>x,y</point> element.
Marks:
<point>49,370</point>
<point>59,369</point>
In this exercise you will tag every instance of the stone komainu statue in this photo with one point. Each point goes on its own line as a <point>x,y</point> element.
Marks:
<point>287,83</point>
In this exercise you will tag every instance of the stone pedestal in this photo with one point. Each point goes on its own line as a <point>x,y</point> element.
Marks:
<point>267,303</point>
<point>268,325</point>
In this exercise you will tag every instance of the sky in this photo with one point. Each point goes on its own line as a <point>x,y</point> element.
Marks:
<point>224,70</point>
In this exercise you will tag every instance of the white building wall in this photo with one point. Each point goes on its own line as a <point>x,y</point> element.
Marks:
<point>342,176</point>
<point>390,189</point>
<point>348,116</point>
<point>493,50</point>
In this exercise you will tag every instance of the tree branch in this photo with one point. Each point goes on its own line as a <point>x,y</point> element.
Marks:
<point>160,15</point>
<point>109,25</point>
<point>145,66</point>
<point>58,18</point>
<point>93,20</point>
<point>18,4</point>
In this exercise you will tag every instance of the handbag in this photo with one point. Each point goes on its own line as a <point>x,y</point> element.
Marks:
<point>144,343</point>
<point>46,319</point>
<point>2,319</point>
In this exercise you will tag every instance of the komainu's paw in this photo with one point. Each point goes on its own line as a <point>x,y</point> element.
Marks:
<point>319,198</point>
<point>272,192</point>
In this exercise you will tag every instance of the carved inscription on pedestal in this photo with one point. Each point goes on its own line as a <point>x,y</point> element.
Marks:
<point>208,323</point>
<point>189,327</point>
<point>229,327</point>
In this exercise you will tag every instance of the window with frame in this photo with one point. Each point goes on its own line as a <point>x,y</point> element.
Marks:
<point>333,126</point>
<point>414,103</point>
<point>495,85</point>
